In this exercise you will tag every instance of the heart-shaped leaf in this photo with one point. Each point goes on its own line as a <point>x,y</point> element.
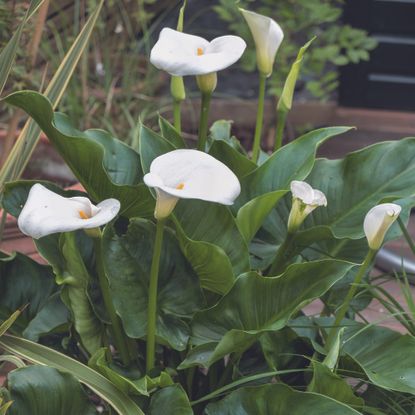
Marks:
<point>42,390</point>
<point>105,166</point>
<point>257,304</point>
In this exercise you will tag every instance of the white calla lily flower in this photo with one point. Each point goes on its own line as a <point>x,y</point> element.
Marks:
<point>181,54</point>
<point>305,200</point>
<point>377,222</point>
<point>190,174</point>
<point>45,212</point>
<point>267,35</point>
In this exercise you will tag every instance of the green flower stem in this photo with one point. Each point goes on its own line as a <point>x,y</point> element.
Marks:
<point>116,325</point>
<point>283,255</point>
<point>203,123</point>
<point>177,115</point>
<point>406,235</point>
<point>152,297</point>
<point>349,297</point>
<point>259,118</point>
<point>281,118</point>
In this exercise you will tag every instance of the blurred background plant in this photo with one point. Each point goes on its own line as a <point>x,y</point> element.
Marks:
<point>337,44</point>
<point>114,85</point>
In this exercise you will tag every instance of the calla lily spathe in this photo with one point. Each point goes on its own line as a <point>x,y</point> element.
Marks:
<point>377,222</point>
<point>46,212</point>
<point>267,35</point>
<point>181,54</point>
<point>190,174</point>
<point>305,200</point>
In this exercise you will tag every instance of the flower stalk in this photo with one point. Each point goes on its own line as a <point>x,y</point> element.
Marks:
<point>281,119</point>
<point>203,121</point>
<point>259,118</point>
<point>152,297</point>
<point>341,313</point>
<point>116,325</point>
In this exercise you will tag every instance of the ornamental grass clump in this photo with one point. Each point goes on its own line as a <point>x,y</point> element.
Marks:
<point>176,281</point>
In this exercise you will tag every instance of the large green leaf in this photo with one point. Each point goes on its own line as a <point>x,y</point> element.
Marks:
<point>278,399</point>
<point>387,357</point>
<point>353,185</point>
<point>257,304</point>
<point>28,138</point>
<point>209,261</point>
<point>330,384</point>
<point>128,262</point>
<point>235,160</point>
<point>42,390</point>
<point>105,166</point>
<point>215,224</point>
<point>26,284</point>
<point>42,355</point>
<point>291,162</point>
<point>171,400</point>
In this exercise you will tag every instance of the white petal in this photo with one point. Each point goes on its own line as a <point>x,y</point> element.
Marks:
<point>377,222</point>
<point>46,212</point>
<point>193,174</point>
<point>303,191</point>
<point>267,35</point>
<point>319,198</point>
<point>176,53</point>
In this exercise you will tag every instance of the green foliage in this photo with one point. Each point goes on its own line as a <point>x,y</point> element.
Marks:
<point>230,333</point>
<point>336,44</point>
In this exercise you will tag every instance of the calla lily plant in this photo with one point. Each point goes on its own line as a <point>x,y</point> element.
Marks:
<point>183,289</point>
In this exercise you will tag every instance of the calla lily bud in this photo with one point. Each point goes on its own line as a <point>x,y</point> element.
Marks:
<point>45,212</point>
<point>207,83</point>
<point>190,174</point>
<point>181,54</point>
<point>268,36</point>
<point>305,200</point>
<point>377,222</point>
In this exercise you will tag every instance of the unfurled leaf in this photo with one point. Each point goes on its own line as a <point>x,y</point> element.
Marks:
<point>171,400</point>
<point>42,390</point>
<point>258,304</point>
<point>278,399</point>
<point>128,262</point>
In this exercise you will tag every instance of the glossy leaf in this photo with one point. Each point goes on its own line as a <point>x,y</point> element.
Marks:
<point>171,400</point>
<point>278,399</point>
<point>235,160</point>
<point>257,304</point>
<point>386,356</point>
<point>210,262</point>
<point>42,355</point>
<point>42,390</point>
<point>252,215</point>
<point>363,179</point>
<point>327,383</point>
<point>105,166</point>
<point>128,262</point>
<point>27,284</point>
